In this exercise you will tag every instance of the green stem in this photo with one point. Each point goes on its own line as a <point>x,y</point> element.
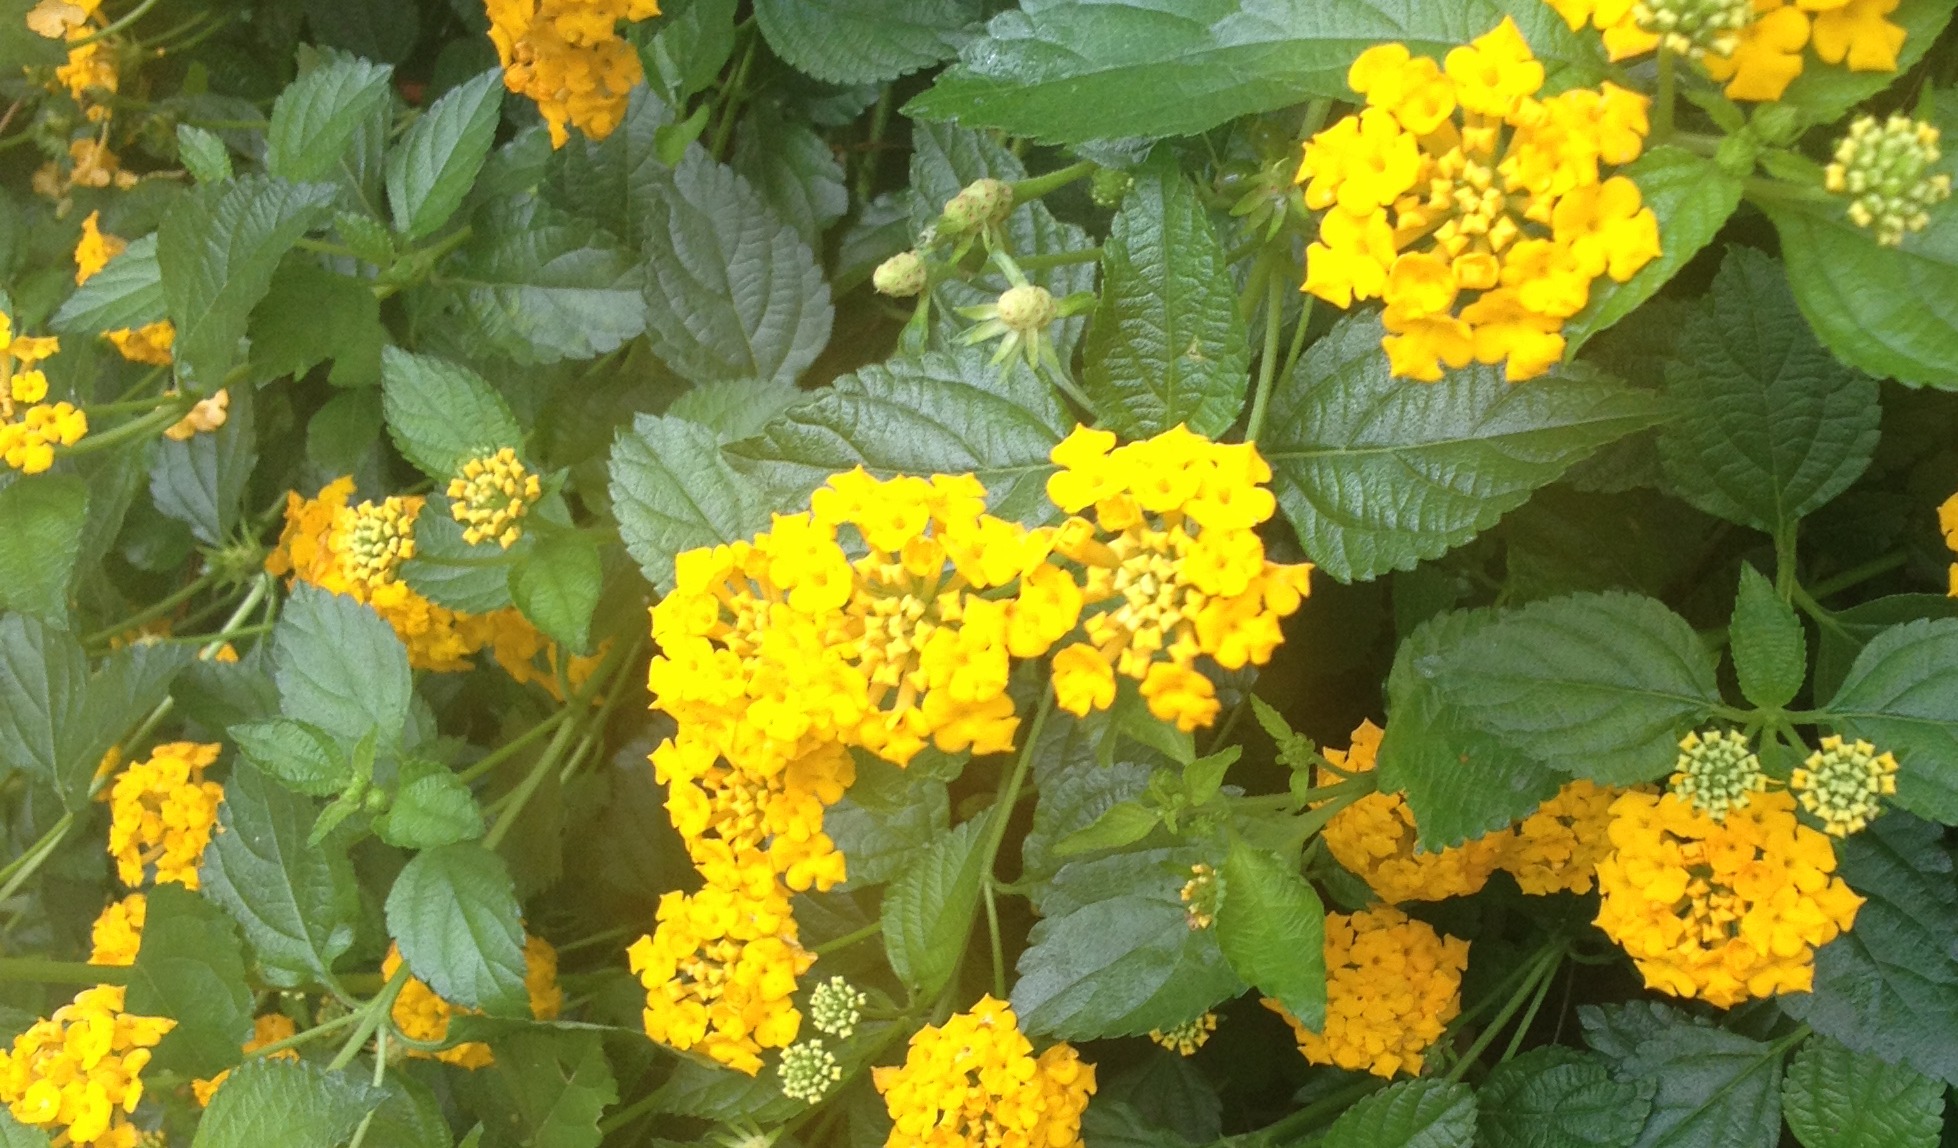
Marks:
<point>1318,1112</point>
<point>1529,1015</point>
<point>23,867</point>
<point>321,247</point>
<point>1268,362</point>
<point>1662,110</point>
<point>372,1015</point>
<point>504,752</point>
<point>326,1028</point>
<point>1060,259</point>
<point>512,805</point>
<point>36,970</point>
<point>135,14</point>
<point>838,944</point>
<point>992,932</point>
<point>880,122</point>
<point>1031,189</point>
<point>1857,575</point>
<point>143,427</point>
<point>1068,387</point>
<point>1822,615</point>
<point>1544,967</point>
<point>1784,562</point>
<point>169,603</point>
<point>1009,791</point>
<point>734,94</point>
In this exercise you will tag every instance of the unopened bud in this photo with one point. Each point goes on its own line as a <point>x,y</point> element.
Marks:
<point>1110,186</point>
<point>1027,309</point>
<point>983,203</point>
<point>1716,772</point>
<point>901,276</point>
<point>1695,28</point>
<point>1881,169</point>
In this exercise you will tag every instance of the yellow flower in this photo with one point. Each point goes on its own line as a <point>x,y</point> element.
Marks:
<point>1844,784</point>
<point>1721,910</point>
<point>76,1075</point>
<point>149,344</point>
<point>1948,526</point>
<point>423,1016</point>
<point>1184,1039</point>
<point>1857,34</point>
<point>1392,986</point>
<point>162,813</point>
<point>567,56</point>
<point>1375,838</point>
<point>30,427</point>
<point>1557,848</point>
<point>117,934</point>
<point>974,1081</point>
<point>60,19</point>
<point>1201,896</point>
<point>203,418</point>
<point>95,249</point>
<point>271,1028</point>
<point>89,74</point>
<point>491,495</point>
<point>1461,200</point>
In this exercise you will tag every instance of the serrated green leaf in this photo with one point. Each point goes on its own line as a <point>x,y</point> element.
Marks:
<point>672,490</point>
<point>736,410</point>
<point>190,969</point>
<point>1711,1088</point>
<point>316,118</point>
<point>1836,1098</point>
<point>432,807</point>
<point>864,41</point>
<point>127,687</point>
<point>1075,790</point>
<point>1067,71</point>
<point>1377,473</point>
<point>1123,823</point>
<point>41,524</point>
<point>886,820</point>
<point>1272,929</point>
<point>794,170</point>
<point>1901,693</point>
<point>1827,92</point>
<point>297,905</point>
<point>1778,426</point>
<point>1556,1097</point>
<point>555,1087</point>
<point>300,757</point>
<point>441,414</point>
<point>1203,777</point>
<point>433,167</point>
<point>201,481</point>
<point>14,1134</point>
<point>732,291</point>
<point>203,154</point>
<point>928,909</point>
<point>1838,645</point>
<point>1411,1114</point>
<point>449,571</point>
<point>611,181</point>
<point>936,414</point>
<point>1769,646</point>
<point>556,586</point>
<point>311,315</point>
<point>44,688</point>
<point>291,1103</point>
<point>1692,196</point>
<point>126,293</point>
<point>1597,685</point>
<point>692,44</point>
<point>454,913</point>
<point>712,1092</point>
<point>1168,344</point>
<point>410,1117</point>
<point>340,667</point>
<point>538,286</point>
<point>1889,986</point>
<point>217,250</point>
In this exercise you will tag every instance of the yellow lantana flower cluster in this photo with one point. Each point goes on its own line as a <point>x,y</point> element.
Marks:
<point>1392,986</point>
<point>162,813</point>
<point>1764,56</point>
<point>76,1075</point>
<point>271,1028</point>
<point>149,344</point>
<point>1557,848</point>
<point>30,426</point>
<point>491,496</point>
<point>567,56</point>
<point>1506,195</point>
<point>90,72</point>
<point>974,1081</point>
<point>1721,910</point>
<point>118,931</point>
<point>1948,526</point>
<point>423,1016</point>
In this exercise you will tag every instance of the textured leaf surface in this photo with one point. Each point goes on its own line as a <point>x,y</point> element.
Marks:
<point>190,969</point>
<point>126,293</point>
<point>432,807</point>
<point>794,170</point>
<point>864,41</point>
<point>1769,646</point>
<point>340,667</point>
<point>451,572</point>
<point>672,490</point>
<point>1411,1114</point>
<point>1901,693</point>
<point>1836,1098</point>
<point>1272,929</point>
<point>44,687</point>
<point>315,119</point>
<point>539,286</point>
<point>554,1088</point>
<point>432,168</point>
<point>201,481</point>
<point>1557,1097</point>
<point>1711,1088</point>
<point>928,909</point>
<point>556,586</point>
<point>41,523</point>
<point>454,913</point>
<point>300,757</point>
<point>442,414</point>
<point>291,1103</point>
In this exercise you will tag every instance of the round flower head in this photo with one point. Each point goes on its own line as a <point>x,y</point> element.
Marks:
<point>1885,174</point>
<point>568,57</point>
<point>117,934</point>
<point>1721,910</point>
<point>975,1081</point>
<point>1694,27</point>
<point>374,539</point>
<point>1844,784</point>
<point>423,1016</point>
<point>162,813</point>
<point>1716,773</point>
<point>835,1007</point>
<point>1557,848</point>
<point>490,498</point>
<point>808,1071</point>
<point>30,427</point>
<point>77,1075</point>
<point>1392,986</point>
<point>1186,1038</point>
<point>901,276</point>
<point>1375,838</point>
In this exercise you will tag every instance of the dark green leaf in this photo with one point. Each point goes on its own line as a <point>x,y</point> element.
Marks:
<point>1711,1088</point>
<point>555,1087</point>
<point>538,286</point>
<point>611,182</point>
<point>864,41</point>
<point>1378,473</point>
<point>736,410</point>
<point>451,572</point>
<point>794,170</point>
<point>431,170</point>
<point>1770,648</point>
<point>311,315</point>
<point>297,905</point>
<point>442,414</point>
<point>712,1092</point>
<point>291,1103</point>
<point>1901,693</point>
<point>886,820</point>
<point>191,970</point>
<point>41,522</point>
<point>128,292</point>
<point>1168,344</point>
<point>1839,644</point>
<point>410,1117</point>
<point>693,43</point>
<point>556,586</point>
<point>1272,929</point>
<point>1411,1114</point>
<point>928,909</point>
<point>203,154</point>
<point>432,807</point>
<point>14,1134</point>
<point>1556,1097</point>
<point>1835,1098</point>
<point>300,757</point>
<point>1123,823</point>
<point>340,667</point>
<point>317,117</point>
<point>43,699</point>
<point>127,687</point>
<point>673,491</point>
<point>377,29</point>
<point>201,481</point>
<point>454,913</point>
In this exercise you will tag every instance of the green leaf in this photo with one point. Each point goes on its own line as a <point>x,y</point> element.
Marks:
<point>126,293</point>
<point>1901,694</point>
<point>217,250</point>
<point>190,969</point>
<point>1168,345</point>
<point>1067,71</point>
<point>410,1117</point>
<point>1123,823</point>
<point>1711,1088</point>
<point>886,820</point>
<point>1557,1097</point>
<point>455,915</point>
<point>340,667</point>
<point>291,1103</point>
<point>1203,777</point>
<point>311,315</point>
<point>794,170</point>
<point>612,181</point>
<point>1272,929</point>
<point>939,413</point>
<point>316,118</point>
<point>433,167</point>
<point>732,291</point>
<point>1411,1114</point>
<point>1827,92</point>
<point>1889,987</point>
<point>127,687</point>
<point>297,905</point>
<point>672,490</point>
<point>1836,1098</point>
<point>864,41</point>
<point>14,1134</point>
<point>1692,197</point>
<point>557,585</point>
<point>203,154</point>
<point>1769,646</point>
<point>43,698</point>
<point>1778,426</point>
<point>1838,645</point>
<point>440,414</point>
<point>1597,685</point>
<point>303,758</point>
<point>1378,473</point>
<point>447,569</point>
<point>201,481</point>
<point>538,286</point>
<point>736,410</point>
<point>432,807</point>
<point>41,523</point>
<point>555,1087</point>
<point>928,909</point>
<point>692,44</point>
<point>376,29</point>
<point>712,1092</point>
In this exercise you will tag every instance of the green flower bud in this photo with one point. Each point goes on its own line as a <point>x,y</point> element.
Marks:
<point>1027,309</point>
<point>1716,772</point>
<point>1110,186</point>
<point>901,276</point>
<point>807,1071</point>
<point>1882,170</point>
<point>983,203</point>
<point>1695,28</point>
<point>1843,784</point>
<point>835,1007</point>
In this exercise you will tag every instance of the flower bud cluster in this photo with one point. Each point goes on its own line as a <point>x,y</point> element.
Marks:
<point>1882,169</point>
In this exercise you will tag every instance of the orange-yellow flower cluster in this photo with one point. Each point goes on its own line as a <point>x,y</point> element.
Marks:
<point>423,1016</point>
<point>90,73</point>
<point>1375,838</point>
<point>1557,848</point>
<point>1392,986</point>
<point>30,426</point>
<point>162,813</point>
<point>975,1082</point>
<point>149,344</point>
<point>1766,55</point>
<point>1722,910</point>
<point>271,1028</point>
<point>491,496</point>
<point>1456,181</point>
<point>76,1076</point>
<point>117,934</point>
<point>568,57</point>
